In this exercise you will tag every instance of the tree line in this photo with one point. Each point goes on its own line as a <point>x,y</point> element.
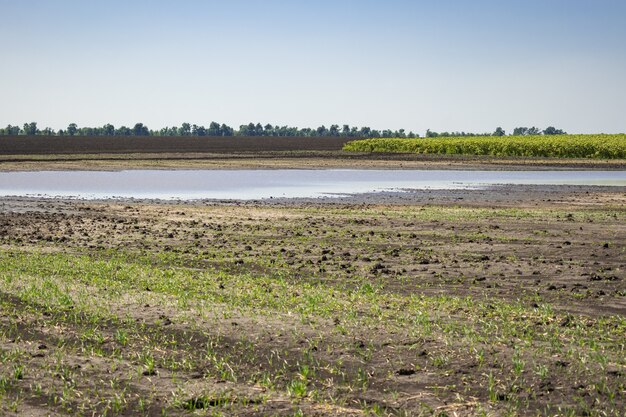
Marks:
<point>214,129</point>
<point>252,129</point>
<point>518,131</point>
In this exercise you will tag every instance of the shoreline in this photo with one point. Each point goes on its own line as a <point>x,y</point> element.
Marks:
<point>294,160</point>
<point>507,195</point>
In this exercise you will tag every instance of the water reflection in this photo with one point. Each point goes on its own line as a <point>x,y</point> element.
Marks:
<point>260,184</point>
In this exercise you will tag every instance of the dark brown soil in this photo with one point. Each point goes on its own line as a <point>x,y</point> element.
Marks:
<point>67,145</point>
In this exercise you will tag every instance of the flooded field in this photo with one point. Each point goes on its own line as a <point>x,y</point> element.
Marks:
<point>279,183</point>
<point>396,287</point>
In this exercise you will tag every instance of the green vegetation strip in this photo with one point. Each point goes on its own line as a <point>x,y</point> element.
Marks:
<point>83,293</point>
<point>60,280</point>
<point>559,146</point>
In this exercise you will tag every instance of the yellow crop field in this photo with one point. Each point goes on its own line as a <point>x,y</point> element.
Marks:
<point>559,146</point>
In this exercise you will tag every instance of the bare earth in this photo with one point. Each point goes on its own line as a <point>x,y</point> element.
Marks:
<point>291,160</point>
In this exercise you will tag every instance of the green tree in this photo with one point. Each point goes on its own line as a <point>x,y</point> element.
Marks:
<point>72,129</point>
<point>30,129</point>
<point>520,131</point>
<point>123,131</point>
<point>526,131</point>
<point>321,131</point>
<point>226,130</point>
<point>214,129</point>
<point>198,130</point>
<point>246,130</point>
<point>184,129</point>
<point>258,129</point>
<point>499,132</point>
<point>551,130</point>
<point>140,130</point>
<point>108,130</point>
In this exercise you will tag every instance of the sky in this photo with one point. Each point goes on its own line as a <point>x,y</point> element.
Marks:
<point>443,65</point>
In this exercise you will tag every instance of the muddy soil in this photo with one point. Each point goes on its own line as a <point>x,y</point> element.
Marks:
<point>561,249</point>
<point>294,159</point>
<point>566,244</point>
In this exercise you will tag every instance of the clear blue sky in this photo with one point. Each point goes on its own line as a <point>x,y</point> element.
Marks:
<point>440,64</point>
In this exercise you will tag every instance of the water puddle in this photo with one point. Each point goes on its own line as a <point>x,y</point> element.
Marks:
<point>262,184</point>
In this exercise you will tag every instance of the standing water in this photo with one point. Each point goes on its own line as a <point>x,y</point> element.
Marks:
<point>260,184</point>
